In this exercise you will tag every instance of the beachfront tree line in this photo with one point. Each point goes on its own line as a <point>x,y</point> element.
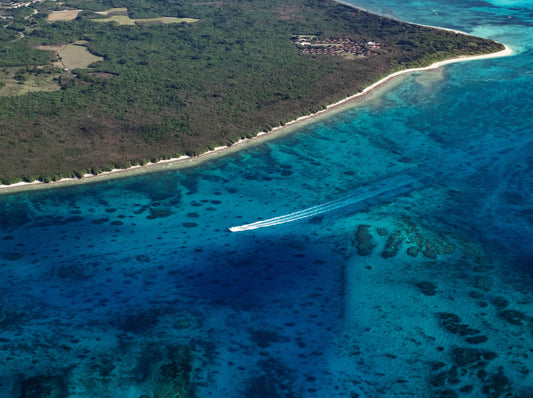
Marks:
<point>167,90</point>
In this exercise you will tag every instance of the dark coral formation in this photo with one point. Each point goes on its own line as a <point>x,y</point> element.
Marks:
<point>476,339</point>
<point>180,357</point>
<point>452,323</point>
<point>448,376</point>
<point>364,240</point>
<point>429,244</point>
<point>475,294</point>
<point>158,213</point>
<point>417,240</point>
<point>469,373</point>
<point>483,283</point>
<point>274,381</point>
<point>427,288</point>
<point>465,357</point>
<point>178,371</point>
<point>513,317</point>
<point>143,258</point>
<point>10,318</point>
<point>11,256</point>
<point>497,385</point>
<point>43,386</point>
<point>393,245</point>
<point>500,302</point>
<point>265,338</point>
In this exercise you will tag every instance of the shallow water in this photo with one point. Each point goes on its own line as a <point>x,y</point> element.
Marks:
<point>137,286</point>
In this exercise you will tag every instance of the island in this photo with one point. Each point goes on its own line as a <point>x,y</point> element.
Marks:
<point>88,86</point>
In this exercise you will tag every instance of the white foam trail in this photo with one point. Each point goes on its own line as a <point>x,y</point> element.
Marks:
<point>368,192</point>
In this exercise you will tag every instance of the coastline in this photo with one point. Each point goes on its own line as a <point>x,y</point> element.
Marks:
<point>187,161</point>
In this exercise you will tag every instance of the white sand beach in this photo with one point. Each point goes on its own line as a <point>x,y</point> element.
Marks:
<point>187,161</point>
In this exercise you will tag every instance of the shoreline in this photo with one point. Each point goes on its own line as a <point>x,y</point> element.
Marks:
<point>188,161</point>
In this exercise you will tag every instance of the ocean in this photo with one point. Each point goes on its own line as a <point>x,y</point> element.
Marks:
<point>383,251</point>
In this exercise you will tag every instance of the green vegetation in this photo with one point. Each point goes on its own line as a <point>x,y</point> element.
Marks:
<point>163,90</point>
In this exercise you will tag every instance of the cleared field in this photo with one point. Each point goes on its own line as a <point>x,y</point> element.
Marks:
<point>120,19</point>
<point>120,16</point>
<point>64,15</point>
<point>125,20</point>
<point>114,11</point>
<point>10,86</point>
<point>164,20</point>
<point>75,56</point>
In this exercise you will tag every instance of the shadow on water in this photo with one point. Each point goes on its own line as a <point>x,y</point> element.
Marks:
<point>269,303</point>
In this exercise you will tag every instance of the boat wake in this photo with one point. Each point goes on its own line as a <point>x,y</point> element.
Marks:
<point>395,186</point>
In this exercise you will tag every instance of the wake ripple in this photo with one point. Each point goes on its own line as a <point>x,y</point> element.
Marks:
<point>397,185</point>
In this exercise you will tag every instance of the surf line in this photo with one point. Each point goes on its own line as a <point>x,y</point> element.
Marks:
<point>397,185</point>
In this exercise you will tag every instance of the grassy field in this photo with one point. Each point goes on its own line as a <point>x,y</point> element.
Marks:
<point>114,11</point>
<point>164,20</point>
<point>77,56</point>
<point>64,15</point>
<point>120,16</point>
<point>21,80</point>
<point>15,81</point>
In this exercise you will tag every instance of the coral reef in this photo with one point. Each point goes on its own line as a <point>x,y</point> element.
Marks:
<point>364,240</point>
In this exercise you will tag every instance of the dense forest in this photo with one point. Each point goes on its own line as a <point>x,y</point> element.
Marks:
<point>166,89</point>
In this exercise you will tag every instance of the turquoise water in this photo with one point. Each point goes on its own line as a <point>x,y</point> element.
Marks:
<point>392,255</point>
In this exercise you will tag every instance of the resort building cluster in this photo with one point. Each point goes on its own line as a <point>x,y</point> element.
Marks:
<point>337,47</point>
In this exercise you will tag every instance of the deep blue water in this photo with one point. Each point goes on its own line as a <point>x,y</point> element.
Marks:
<point>407,273</point>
